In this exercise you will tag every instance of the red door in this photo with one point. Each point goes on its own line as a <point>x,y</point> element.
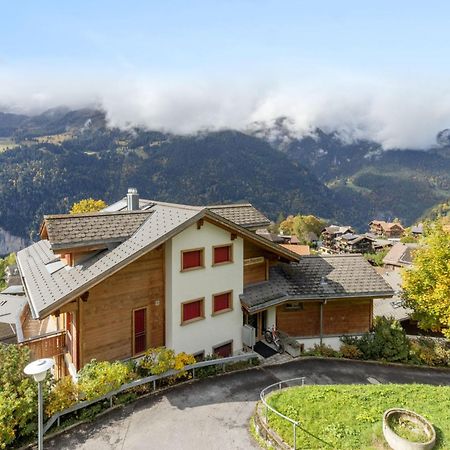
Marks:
<point>140,330</point>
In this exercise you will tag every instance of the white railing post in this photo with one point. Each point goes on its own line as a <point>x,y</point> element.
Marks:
<point>295,436</point>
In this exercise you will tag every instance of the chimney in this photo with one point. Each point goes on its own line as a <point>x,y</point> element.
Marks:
<point>132,199</point>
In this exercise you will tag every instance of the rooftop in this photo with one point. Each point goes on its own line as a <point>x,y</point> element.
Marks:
<point>80,230</point>
<point>315,278</point>
<point>243,214</point>
<point>50,282</point>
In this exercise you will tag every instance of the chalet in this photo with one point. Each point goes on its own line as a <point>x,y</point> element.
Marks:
<point>390,230</point>
<point>144,273</point>
<point>354,243</point>
<point>331,233</point>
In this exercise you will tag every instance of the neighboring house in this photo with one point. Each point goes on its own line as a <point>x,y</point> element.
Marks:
<point>400,255</point>
<point>331,234</point>
<point>390,230</point>
<point>302,250</point>
<point>109,285</point>
<point>417,230</point>
<point>271,236</point>
<point>354,243</point>
<point>12,276</point>
<point>395,306</point>
<point>318,299</point>
<point>11,307</point>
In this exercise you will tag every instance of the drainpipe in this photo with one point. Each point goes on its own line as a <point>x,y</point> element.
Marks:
<point>322,303</point>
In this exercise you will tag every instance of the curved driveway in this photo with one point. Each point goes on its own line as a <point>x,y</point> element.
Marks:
<point>214,413</point>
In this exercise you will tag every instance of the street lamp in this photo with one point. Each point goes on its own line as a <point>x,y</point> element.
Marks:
<point>38,369</point>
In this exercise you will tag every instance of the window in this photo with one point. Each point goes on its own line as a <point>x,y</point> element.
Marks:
<point>224,350</point>
<point>222,302</point>
<point>192,310</point>
<point>139,330</point>
<point>192,259</point>
<point>199,356</point>
<point>222,254</point>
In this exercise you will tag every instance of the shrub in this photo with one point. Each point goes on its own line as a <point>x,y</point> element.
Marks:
<point>63,395</point>
<point>324,350</point>
<point>430,352</point>
<point>208,371</point>
<point>157,361</point>
<point>18,396</point>
<point>98,378</point>
<point>387,341</point>
<point>350,351</point>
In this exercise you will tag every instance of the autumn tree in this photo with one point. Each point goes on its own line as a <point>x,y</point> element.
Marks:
<point>87,205</point>
<point>426,287</point>
<point>305,225</point>
<point>287,225</point>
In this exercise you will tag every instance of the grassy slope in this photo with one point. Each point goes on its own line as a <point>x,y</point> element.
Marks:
<point>350,417</point>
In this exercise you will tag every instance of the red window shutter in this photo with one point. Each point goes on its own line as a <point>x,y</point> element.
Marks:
<point>221,302</point>
<point>192,310</point>
<point>224,350</point>
<point>222,254</point>
<point>140,331</point>
<point>192,259</point>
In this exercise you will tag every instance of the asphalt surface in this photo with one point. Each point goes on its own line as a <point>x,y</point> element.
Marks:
<point>214,413</point>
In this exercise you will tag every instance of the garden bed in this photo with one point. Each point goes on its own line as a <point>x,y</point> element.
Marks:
<point>350,416</point>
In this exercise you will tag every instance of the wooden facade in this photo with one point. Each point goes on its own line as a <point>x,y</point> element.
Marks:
<point>104,318</point>
<point>256,263</point>
<point>340,316</point>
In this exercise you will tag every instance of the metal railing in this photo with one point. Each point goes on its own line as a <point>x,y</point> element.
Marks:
<point>151,379</point>
<point>278,385</point>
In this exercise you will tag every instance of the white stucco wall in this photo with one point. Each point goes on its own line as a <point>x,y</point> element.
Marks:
<point>333,341</point>
<point>271,318</point>
<point>203,335</point>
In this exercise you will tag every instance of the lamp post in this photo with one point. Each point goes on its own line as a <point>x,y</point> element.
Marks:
<point>38,370</point>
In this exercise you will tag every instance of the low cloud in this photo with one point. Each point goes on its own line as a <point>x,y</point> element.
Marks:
<point>394,114</point>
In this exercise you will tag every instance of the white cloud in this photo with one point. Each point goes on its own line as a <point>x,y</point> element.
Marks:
<point>393,113</point>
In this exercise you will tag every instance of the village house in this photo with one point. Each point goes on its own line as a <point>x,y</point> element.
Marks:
<point>144,274</point>
<point>354,243</point>
<point>390,230</point>
<point>399,256</point>
<point>329,236</point>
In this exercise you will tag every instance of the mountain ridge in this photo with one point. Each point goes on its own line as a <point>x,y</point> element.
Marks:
<point>54,159</point>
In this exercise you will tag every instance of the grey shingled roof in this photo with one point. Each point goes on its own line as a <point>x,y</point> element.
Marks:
<point>315,278</point>
<point>49,283</point>
<point>400,254</point>
<point>47,290</point>
<point>243,214</point>
<point>11,307</point>
<point>76,230</point>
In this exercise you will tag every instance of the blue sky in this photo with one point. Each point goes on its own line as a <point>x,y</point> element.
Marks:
<point>227,36</point>
<point>367,56</point>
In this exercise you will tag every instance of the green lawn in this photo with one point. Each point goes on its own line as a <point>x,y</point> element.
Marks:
<point>350,416</point>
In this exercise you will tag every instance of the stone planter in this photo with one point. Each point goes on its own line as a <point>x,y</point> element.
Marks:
<point>398,443</point>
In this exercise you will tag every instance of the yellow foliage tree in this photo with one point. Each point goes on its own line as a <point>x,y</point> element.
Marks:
<point>426,286</point>
<point>87,205</point>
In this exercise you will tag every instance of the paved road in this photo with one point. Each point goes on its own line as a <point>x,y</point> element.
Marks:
<point>214,413</point>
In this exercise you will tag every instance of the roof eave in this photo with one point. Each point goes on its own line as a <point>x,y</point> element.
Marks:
<point>288,298</point>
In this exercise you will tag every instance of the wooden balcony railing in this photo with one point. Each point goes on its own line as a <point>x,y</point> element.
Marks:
<point>50,345</point>
<point>46,345</point>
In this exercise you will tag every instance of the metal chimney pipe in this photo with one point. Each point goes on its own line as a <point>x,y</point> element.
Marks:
<point>132,199</point>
